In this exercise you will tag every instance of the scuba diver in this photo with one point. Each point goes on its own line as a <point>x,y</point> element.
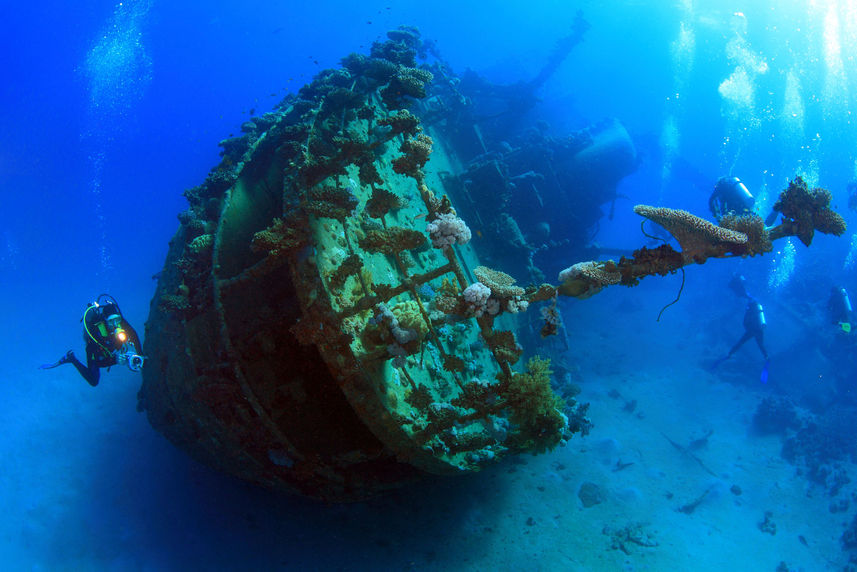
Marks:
<point>839,308</point>
<point>730,196</point>
<point>754,325</point>
<point>109,338</point>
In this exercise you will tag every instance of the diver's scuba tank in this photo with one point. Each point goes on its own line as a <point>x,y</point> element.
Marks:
<point>754,317</point>
<point>846,301</point>
<point>734,196</point>
<point>840,308</point>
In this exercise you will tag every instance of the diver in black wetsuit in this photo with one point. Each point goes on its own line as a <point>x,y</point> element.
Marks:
<point>754,327</point>
<point>754,324</point>
<point>730,196</point>
<point>839,308</point>
<point>109,338</point>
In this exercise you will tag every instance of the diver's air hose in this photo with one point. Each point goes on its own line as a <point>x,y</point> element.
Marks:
<point>88,333</point>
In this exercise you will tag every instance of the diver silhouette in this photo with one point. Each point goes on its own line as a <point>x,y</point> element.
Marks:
<point>730,196</point>
<point>839,308</point>
<point>109,338</point>
<point>754,325</point>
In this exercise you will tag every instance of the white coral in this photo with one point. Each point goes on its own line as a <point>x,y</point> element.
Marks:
<point>515,304</point>
<point>447,229</point>
<point>476,295</point>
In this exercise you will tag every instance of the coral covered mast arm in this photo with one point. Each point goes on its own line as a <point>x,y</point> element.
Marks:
<point>804,211</point>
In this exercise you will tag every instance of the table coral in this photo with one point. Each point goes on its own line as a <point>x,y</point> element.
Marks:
<point>698,238</point>
<point>501,284</point>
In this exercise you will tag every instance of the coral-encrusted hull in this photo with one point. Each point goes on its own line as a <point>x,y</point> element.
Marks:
<point>275,415</point>
<point>310,331</point>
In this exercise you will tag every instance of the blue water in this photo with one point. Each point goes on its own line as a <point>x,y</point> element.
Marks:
<point>110,110</point>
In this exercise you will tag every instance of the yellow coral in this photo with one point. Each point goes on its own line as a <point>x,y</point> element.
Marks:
<point>535,410</point>
<point>410,318</point>
<point>201,243</point>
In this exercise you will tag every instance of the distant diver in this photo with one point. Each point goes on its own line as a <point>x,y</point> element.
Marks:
<point>730,196</point>
<point>109,338</point>
<point>754,325</point>
<point>839,308</point>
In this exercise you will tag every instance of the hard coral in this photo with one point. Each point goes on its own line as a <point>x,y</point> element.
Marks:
<point>402,121</point>
<point>391,240</point>
<point>585,279</point>
<point>408,81</point>
<point>283,236</point>
<point>331,202</point>
<point>805,211</point>
<point>381,202</point>
<point>698,238</point>
<point>504,346</point>
<point>350,266</point>
<point>416,154</point>
<point>501,284</point>
<point>758,241</point>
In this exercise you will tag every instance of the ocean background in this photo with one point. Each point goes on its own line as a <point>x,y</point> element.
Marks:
<point>108,111</point>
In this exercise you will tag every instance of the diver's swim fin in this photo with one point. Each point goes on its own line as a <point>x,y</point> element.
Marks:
<point>64,359</point>
<point>764,376</point>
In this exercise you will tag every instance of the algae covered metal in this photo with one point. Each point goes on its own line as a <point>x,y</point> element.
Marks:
<point>323,323</point>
